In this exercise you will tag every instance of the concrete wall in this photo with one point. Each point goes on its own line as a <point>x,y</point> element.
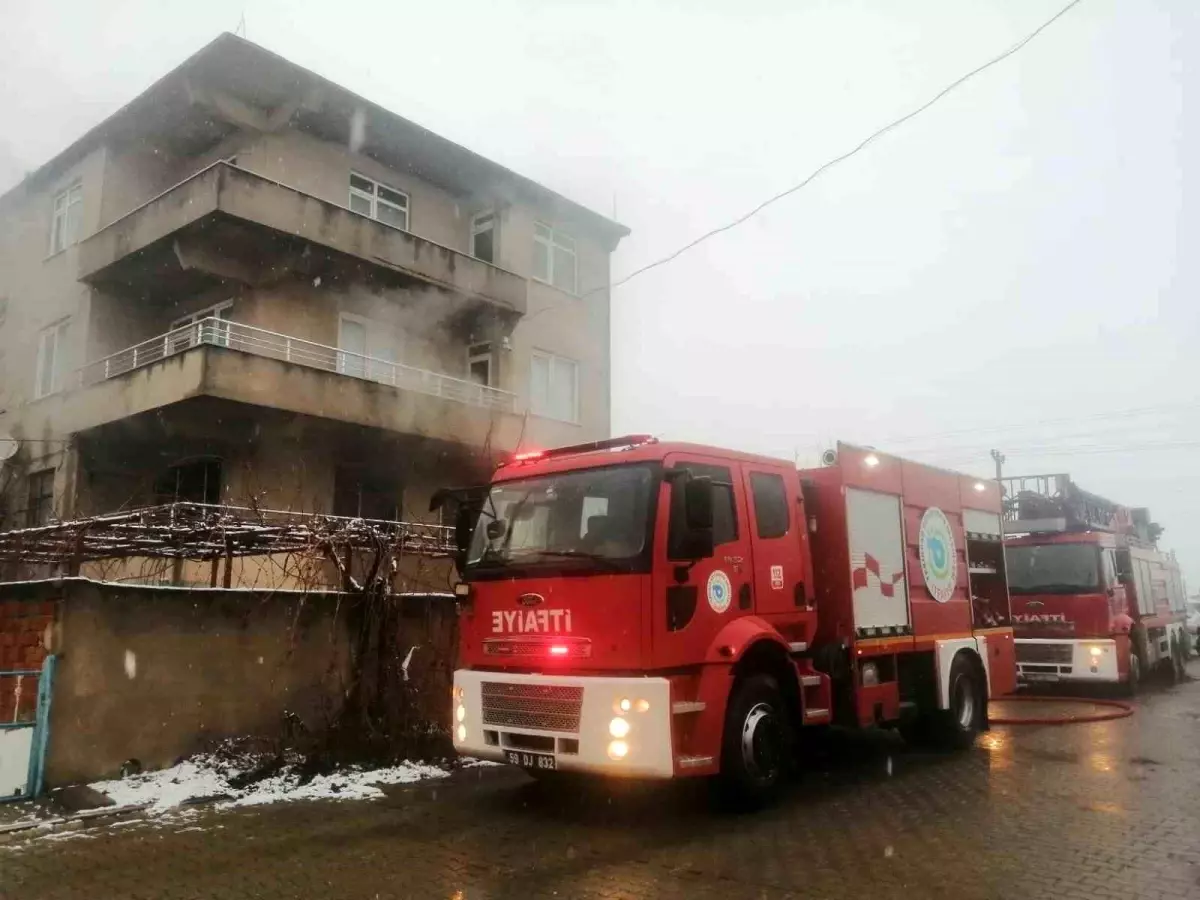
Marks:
<point>155,674</point>
<point>152,675</point>
<point>323,169</point>
<point>41,289</point>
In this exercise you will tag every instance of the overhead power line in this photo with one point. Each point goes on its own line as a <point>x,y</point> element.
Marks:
<point>837,160</point>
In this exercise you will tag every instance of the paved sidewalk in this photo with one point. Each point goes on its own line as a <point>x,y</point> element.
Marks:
<point>1109,810</point>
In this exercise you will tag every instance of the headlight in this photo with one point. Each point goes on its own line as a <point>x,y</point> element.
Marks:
<point>460,713</point>
<point>1095,651</point>
<point>462,733</point>
<point>618,727</point>
<point>623,705</point>
<point>643,706</point>
<point>618,750</point>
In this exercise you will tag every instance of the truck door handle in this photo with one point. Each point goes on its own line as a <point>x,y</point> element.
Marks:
<point>744,596</point>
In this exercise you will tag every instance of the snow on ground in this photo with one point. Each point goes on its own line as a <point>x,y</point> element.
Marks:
<point>207,777</point>
<point>163,800</point>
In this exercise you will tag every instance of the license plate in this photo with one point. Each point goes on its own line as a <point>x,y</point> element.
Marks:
<point>525,760</point>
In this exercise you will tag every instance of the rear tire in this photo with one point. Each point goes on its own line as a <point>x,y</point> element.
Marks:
<point>754,744</point>
<point>1178,660</point>
<point>1134,683</point>
<point>958,726</point>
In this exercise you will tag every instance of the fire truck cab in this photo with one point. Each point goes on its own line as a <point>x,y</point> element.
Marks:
<point>1094,599</point>
<point>638,608</point>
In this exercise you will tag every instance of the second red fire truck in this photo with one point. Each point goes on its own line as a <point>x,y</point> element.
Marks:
<point>1093,598</point>
<point>638,608</point>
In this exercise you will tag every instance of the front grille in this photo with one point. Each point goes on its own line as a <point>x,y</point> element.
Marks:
<point>1058,654</point>
<point>546,707</point>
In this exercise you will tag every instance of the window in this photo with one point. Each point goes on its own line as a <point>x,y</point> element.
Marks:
<point>770,504</point>
<point>1108,558</point>
<point>554,387</point>
<point>39,503</point>
<point>568,519</point>
<point>479,364</point>
<point>724,509</point>
<point>358,494</point>
<point>370,349</point>
<point>183,335</point>
<point>378,201</point>
<point>67,217</point>
<point>554,257</point>
<point>195,481</point>
<point>483,237</point>
<point>51,360</point>
<point>1053,569</point>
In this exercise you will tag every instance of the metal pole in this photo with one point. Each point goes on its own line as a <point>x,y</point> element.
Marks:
<point>1000,459</point>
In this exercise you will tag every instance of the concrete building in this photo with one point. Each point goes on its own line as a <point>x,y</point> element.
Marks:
<point>250,286</point>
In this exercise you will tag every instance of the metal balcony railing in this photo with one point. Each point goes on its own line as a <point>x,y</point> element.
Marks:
<point>215,332</point>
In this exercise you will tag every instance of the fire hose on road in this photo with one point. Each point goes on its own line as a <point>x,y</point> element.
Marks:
<point>1111,709</point>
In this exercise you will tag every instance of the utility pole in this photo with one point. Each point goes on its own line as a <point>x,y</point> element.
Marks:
<point>1000,459</point>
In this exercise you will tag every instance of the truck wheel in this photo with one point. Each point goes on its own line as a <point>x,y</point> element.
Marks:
<point>959,725</point>
<point>1134,683</point>
<point>1179,659</point>
<point>754,745</point>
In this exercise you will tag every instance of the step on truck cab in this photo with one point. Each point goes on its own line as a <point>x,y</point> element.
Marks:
<point>663,610</point>
<point>1094,599</point>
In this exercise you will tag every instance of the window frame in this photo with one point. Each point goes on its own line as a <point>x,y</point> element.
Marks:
<point>493,227</point>
<point>481,352</point>
<point>722,476</point>
<point>375,200</point>
<point>551,358</point>
<point>213,492</point>
<point>755,477</point>
<point>58,331</point>
<point>60,219</point>
<point>555,239</point>
<point>221,337</point>
<point>34,503</point>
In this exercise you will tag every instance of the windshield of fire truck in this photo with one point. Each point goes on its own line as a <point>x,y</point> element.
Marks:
<point>574,521</point>
<point>1053,569</point>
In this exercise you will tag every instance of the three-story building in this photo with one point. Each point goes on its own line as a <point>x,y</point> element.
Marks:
<point>251,287</point>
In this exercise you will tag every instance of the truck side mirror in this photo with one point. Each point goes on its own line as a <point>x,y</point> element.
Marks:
<point>698,503</point>
<point>464,526</point>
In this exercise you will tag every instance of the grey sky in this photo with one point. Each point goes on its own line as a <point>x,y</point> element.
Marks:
<point>1016,257</point>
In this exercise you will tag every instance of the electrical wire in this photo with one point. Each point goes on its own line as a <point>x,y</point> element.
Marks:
<point>826,166</point>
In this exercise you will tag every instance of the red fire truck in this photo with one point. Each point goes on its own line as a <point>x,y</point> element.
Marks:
<point>1093,598</point>
<point>638,608</point>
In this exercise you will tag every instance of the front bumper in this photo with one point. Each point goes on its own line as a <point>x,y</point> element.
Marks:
<point>1040,660</point>
<point>537,714</point>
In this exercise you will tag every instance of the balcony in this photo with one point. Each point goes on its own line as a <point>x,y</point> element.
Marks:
<point>215,332</point>
<point>251,367</point>
<point>228,224</point>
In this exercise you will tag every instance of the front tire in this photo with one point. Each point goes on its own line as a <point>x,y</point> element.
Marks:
<point>959,725</point>
<point>754,744</point>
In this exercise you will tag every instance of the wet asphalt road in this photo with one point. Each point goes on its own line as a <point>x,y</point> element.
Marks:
<point>1109,810</point>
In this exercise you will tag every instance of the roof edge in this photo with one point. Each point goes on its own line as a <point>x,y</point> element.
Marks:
<point>611,229</point>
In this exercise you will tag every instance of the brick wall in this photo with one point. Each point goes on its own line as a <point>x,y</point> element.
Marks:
<point>25,626</point>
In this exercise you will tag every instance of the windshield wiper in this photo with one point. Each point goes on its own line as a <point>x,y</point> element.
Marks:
<point>583,554</point>
<point>1055,587</point>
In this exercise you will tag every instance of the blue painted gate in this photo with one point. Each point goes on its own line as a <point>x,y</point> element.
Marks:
<point>23,740</point>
